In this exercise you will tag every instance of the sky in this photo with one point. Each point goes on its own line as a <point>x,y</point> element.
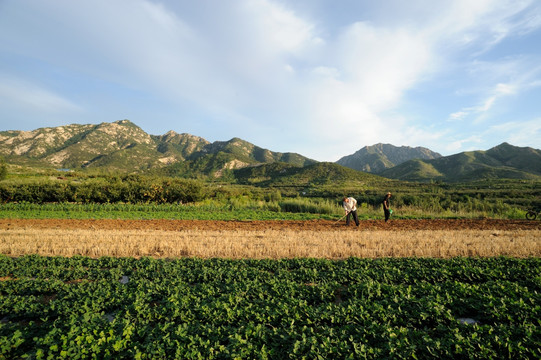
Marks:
<point>322,78</point>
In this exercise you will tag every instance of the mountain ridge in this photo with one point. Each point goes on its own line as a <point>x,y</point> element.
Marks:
<point>124,146</point>
<point>379,157</point>
<point>502,161</point>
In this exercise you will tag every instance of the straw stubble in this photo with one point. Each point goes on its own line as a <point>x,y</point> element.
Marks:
<point>270,244</point>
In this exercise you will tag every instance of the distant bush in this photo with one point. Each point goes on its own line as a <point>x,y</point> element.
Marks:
<point>3,169</point>
<point>301,205</point>
<point>105,190</point>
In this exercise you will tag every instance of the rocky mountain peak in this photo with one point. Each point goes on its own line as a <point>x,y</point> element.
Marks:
<point>378,157</point>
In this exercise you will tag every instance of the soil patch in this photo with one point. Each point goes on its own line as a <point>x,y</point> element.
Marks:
<point>312,225</point>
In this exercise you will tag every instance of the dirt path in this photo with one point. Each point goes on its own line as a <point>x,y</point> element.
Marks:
<point>311,225</point>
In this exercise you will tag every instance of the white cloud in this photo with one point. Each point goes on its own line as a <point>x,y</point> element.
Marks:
<point>368,68</point>
<point>362,73</point>
<point>505,89</point>
<point>526,132</point>
<point>459,115</point>
<point>279,28</point>
<point>481,24</point>
<point>33,97</point>
<point>288,68</point>
<point>467,144</point>
<point>520,81</point>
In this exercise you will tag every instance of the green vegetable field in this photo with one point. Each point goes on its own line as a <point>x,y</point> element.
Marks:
<point>111,308</point>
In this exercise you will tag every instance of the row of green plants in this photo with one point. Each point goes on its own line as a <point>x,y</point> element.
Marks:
<point>207,210</point>
<point>126,308</point>
<point>293,209</point>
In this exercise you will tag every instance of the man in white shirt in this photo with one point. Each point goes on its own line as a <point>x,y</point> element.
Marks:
<point>350,206</point>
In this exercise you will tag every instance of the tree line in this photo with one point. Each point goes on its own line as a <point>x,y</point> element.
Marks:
<point>491,197</point>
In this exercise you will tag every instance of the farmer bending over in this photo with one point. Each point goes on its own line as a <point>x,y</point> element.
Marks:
<point>350,206</point>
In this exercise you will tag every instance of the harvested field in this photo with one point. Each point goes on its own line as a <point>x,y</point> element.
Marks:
<point>270,239</point>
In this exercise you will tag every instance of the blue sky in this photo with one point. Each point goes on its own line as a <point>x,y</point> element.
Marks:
<point>318,77</point>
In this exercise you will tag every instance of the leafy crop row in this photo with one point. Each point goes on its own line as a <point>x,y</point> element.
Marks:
<point>82,308</point>
<point>147,211</point>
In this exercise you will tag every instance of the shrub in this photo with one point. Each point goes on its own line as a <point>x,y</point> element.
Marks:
<point>3,169</point>
<point>300,205</point>
<point>105,190</point>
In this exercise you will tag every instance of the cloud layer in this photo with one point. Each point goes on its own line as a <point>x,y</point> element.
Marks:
<point>288,76</point>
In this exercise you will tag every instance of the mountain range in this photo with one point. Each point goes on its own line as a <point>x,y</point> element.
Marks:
<point>379,157</point>
<point>123,146</point>
<point>504,161</point>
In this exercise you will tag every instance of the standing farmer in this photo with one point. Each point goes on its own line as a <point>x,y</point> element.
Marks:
<point>387,206</point>
<point>350,206</point>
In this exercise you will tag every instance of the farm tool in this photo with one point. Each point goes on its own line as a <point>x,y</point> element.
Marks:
<point>532,214</point>
<point>342,218</point>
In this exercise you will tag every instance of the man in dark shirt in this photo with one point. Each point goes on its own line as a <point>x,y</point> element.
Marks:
<point>387,206</point>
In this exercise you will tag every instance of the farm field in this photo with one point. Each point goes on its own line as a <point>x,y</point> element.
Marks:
<point>441,238</point>
<point>311,289</point>
<point>126,308</point>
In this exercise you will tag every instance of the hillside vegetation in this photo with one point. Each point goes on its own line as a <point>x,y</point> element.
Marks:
<point>501,162</point>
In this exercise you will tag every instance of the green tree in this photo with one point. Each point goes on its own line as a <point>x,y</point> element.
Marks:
<point>3,169</point>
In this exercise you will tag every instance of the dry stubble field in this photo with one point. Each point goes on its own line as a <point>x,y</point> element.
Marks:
<point>270,239</point>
